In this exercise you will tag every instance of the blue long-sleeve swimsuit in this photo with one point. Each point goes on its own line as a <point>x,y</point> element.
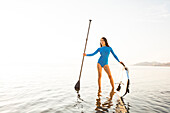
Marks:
<point>104,52</point>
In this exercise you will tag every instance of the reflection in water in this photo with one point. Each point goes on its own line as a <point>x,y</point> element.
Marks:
<point>102,108</point>
<point>79,104</point>
<point>106,105</point>
<point>120,106</point>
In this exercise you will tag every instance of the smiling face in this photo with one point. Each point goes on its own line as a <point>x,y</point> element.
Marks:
<point>102,42</point>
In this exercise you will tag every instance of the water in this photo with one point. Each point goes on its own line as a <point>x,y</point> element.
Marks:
<point>36,88</point>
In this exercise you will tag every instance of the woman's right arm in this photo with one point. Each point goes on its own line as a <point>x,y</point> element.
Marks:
<point>93,53</point>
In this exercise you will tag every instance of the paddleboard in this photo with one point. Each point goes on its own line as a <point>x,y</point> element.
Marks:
<point>122,84</point>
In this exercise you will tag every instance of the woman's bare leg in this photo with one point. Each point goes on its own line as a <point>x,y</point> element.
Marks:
<point>99,68</point>
<point>107,69</point>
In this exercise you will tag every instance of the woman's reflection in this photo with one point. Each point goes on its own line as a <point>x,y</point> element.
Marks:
<point>102,108</point>
<point>106,105</point>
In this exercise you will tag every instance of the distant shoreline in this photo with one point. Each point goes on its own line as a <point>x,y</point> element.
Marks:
<point>152,64</point>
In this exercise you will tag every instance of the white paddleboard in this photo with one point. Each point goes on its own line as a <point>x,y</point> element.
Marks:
<point>122,86</point>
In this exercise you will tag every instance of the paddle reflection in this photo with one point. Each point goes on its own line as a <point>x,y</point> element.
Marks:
<point>79,101</point>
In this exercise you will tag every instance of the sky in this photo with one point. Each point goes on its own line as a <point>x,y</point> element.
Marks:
<point>54,31</point>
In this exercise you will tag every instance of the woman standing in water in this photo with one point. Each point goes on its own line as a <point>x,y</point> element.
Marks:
<point>104,50</point>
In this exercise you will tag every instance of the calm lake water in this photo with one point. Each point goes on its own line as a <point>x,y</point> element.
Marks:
<point>50,89</point>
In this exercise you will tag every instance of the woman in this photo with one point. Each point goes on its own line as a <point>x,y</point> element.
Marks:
<point>104,50</point>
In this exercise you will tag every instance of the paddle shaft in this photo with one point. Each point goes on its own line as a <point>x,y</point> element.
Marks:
<point>85,48</point>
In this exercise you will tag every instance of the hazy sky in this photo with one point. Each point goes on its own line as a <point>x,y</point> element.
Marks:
<point>51,31</point>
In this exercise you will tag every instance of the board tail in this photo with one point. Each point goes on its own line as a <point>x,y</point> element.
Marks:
<point>127,88</point>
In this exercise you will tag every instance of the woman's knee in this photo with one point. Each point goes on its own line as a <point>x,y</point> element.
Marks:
<point>110,77</point>
<point>99,75</point>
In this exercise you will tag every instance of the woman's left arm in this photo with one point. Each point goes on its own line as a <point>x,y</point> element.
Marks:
<point>114,55</point>
<point>117,57</point>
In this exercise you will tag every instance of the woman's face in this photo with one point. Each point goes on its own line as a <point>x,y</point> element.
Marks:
<point>102,42</point>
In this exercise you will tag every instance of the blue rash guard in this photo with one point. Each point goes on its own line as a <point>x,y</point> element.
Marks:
<point>104,52</point>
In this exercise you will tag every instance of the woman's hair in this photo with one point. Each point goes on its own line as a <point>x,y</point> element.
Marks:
<point>105,40</point>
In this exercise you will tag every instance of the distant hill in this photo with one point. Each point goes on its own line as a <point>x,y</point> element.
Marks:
<point>152,64</point>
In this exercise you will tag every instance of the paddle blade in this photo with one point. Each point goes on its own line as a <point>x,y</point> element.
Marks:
<point>77,86</point>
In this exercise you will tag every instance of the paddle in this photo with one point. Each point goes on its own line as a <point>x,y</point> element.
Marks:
<point>77,86</point>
